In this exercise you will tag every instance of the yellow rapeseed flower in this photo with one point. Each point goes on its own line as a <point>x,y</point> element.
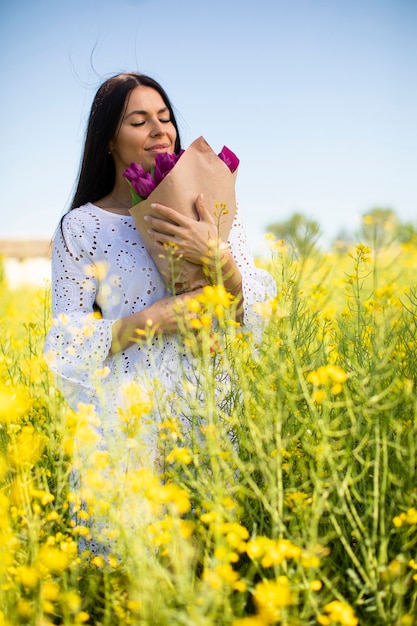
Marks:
<point>235,533</point>
<point>100,459</point>
<point>326,374</point>
<point>336,389</point>
<point>398,521</point>
<point>171,427</point>
<point>338,613</point>
<point>50,590</point>
<point>409,517</point>
<point>215,295</point>
<point>362,249</point>
<point>310,560</point>
<point>319,395</point>
<point>193,305</point>
<point>3,467</point>
<point>226,572</point>
<point>24,608</point>
<point>228,502</point>
<point>13,406</point>
<point>28,575</point>
<point>255,548</point>
<point>186,528</point>
<point>160,536</point>
<point>26,447</point>
<point>82,617</point>
<point>271,596</point>
<point>209,518</point>
<point>53,559</point>
<point>264,309</point>
<point>212,579</point>
<point>171,495</point>
<point>72,600</point>
<point>181,455</point>
<point>272,552</point>
<point>45,497</point>
<point>136,399</point>
<point>316,585</point>
<point>336,373</point>
<point>395,568</point>
<point>278,551</point>
<point>134,605</point>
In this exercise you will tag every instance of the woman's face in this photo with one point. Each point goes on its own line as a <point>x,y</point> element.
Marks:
<point>145,130</point>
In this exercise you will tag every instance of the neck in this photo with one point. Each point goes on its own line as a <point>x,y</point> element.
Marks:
<point>120,202</point>
<point>120,195</point>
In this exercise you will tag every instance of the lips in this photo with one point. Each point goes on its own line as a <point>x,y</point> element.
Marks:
<point>158,147</point>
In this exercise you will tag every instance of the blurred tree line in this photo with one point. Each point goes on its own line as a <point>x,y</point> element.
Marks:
<point>380,227</point>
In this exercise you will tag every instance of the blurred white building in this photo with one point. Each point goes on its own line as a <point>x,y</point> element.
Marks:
<point>25,262</point>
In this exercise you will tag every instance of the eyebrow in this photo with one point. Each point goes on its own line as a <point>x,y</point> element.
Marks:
<point>139,112</point>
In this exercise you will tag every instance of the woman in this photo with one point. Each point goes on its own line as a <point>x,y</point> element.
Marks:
<point>100,264</point>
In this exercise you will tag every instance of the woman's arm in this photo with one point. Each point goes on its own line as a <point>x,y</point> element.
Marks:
<point>162,317</point>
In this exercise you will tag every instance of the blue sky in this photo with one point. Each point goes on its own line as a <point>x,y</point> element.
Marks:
<point>317,97</point>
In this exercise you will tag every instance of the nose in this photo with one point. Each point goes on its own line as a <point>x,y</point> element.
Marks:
<point>157,127</point>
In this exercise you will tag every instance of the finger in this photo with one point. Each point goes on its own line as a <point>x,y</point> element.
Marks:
<point>160,225</point>
<point>200,207</point>
<point>168,214</point>
<point>202,211</point>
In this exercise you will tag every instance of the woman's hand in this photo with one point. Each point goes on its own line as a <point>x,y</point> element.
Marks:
<point>193,239</point>
<point>164,316</point>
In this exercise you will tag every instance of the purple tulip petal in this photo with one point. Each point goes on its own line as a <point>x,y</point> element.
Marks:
<point>142,182</point>
<point>163,165</point>
<point>229,157</point>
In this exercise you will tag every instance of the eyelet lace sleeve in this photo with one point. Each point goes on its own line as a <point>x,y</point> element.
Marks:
<point>78,343</point>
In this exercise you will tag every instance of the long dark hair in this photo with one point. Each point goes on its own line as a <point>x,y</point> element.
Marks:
<point>97,172</point>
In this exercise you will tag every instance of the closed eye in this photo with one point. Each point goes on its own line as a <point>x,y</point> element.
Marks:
<point>164,121</point>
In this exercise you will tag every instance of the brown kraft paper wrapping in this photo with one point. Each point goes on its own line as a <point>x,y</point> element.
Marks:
<point>198,170</point>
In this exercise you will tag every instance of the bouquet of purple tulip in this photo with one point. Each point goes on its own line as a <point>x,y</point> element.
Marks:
<point>143,183</point>
<point>175,181</point>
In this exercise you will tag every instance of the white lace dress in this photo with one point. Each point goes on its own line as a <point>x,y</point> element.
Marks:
<point>99,259</point>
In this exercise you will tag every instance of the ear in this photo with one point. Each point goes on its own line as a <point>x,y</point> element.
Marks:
<point>111,145</point>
